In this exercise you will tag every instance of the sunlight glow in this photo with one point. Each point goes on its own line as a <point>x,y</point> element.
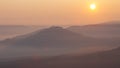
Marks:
<point>93,6</point>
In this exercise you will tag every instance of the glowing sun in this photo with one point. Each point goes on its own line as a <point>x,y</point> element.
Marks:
<point>93,6</point>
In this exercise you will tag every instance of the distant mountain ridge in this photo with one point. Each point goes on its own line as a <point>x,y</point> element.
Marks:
<point>112,22</point>
<point>104,30</point>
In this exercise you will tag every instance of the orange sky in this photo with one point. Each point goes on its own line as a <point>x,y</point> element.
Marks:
<point>57,12</point>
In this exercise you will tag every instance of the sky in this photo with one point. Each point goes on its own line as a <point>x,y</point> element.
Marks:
<point>57,12</point>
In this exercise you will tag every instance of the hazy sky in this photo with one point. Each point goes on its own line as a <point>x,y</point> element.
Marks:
<point>57,12</point>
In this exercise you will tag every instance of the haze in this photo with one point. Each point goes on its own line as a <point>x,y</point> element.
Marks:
<point>57,12</point>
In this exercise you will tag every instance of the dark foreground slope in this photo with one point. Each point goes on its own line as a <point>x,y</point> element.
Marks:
<point>108,59</point>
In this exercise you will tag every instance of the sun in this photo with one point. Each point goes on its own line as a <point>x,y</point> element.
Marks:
<point>92,6</point>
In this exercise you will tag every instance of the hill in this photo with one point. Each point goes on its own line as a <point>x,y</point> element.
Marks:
<point>47,37</point>
<point>48,42</point>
